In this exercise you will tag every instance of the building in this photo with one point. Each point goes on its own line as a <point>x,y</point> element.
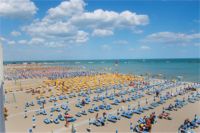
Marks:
<point>2,120</point>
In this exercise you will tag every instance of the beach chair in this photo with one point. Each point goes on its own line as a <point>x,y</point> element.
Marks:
<point>79,105</point>
<point>87,100</point>
<point>108,107</point>
<point>71,119</point>
<point>78,114</point>
<point>56,121</point>
<point>102,106</point>
<point>137,111</point>
<point>165,115</point>
<point>126,114</point>
<point>96,108</point>
<point>112,118</point>
<point>43,112</point>
<point>116,102</point>
<point>61,97</point>
<point>91,110</point>
<point>47,121</point>
<point>65,107</point>
<point>61,117</point>
<point>57,109</point>
<point>154,104</point>
<point>83,112</point>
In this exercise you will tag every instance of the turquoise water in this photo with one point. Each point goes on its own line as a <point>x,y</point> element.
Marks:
<point>189,69</point>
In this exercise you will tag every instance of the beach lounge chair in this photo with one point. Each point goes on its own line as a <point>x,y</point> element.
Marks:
<point>79,105</point>
<point>83,112</point>
<point>61,117</point>
<point>78,114</point>
<point>71,119</point>
<point>165,115</point>
<point>65,107</point>
<point>56,121</point>
<point>108,107</point>
<point>137,111</point>
<point>126,114</point>
<point>96,108</point>
<point>102,106</point>
<point>47,121</point>
<point>91,110</point>
<point>112,118</point>
<point>116,102</point>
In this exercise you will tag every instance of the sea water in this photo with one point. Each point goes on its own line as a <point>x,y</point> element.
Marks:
<point>188,69</point>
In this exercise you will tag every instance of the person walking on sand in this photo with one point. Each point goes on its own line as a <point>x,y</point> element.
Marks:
<point>25,113</point>
<point>34,121</point>
<point>97,116</point>
<point>89,128</point>
<point>67,123</point>
<point>131,127</point>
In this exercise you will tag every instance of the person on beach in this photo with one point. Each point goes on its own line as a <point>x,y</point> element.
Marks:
<point>25,113</point>
<point>51,117</point>
<point>131,126</point>
<point>148,124</point>
<point>89,128</point>
<point>97,116</point>
<point>34,121</point>
<point>157,93</point>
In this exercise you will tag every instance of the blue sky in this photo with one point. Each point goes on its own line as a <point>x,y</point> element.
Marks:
<point>99,29</point>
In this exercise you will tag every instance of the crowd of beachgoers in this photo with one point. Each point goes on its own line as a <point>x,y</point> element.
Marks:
<point>88,101</point>
<point>28,71</point>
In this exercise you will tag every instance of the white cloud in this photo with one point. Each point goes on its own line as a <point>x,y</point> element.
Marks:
<point>70,23</point>
<point>66,9</point>
<point>109,19</point>
<point>2,39</point>
<point>22,42</point>
<point>144,47</point>
<point>121,42</point>
<point>172,38</point>
<point>17,8</point>
<point>36,41</point>
<point>11,42</point>
<point>81,37</point>
<point>102,32</point>
<point>15,33</point>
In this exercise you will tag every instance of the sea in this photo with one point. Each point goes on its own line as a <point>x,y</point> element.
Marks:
<point>181,69</point>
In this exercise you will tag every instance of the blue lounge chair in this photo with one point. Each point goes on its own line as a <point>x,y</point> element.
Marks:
<point>78,114</point>
<point>91,110</point>
<point>112,118</point>
<point>65,107</point>
<point>47,121</point>
<point>79,105</point>
<point>96,108</point>
<point>71,119</point>
<point>116,102</point>
<point>83,112</point>
<point>126,114</point>
<point>102,106</point>
<point>61,118</point>
<point>56,121</point>
<point>136,111</point>
<point>108,107</point>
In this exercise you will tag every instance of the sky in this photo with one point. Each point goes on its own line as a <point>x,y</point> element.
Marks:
<point>99,29</point>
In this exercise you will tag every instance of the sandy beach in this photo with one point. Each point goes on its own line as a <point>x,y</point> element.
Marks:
<point>20,91</point>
